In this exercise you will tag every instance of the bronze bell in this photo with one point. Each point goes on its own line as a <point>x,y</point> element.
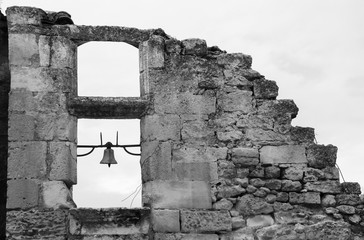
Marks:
<point>108,157</point>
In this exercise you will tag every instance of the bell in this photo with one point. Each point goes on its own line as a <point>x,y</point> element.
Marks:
<point>108,157</point>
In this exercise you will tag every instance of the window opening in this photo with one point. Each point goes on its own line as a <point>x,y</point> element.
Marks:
<point>109,69</point>
<point>98,185</point>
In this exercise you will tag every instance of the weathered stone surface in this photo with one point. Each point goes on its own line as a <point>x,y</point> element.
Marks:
<point>291,186</point>
<point>282,154</point>
<point>235,60</point>
<point>196,131</point>
<point>348,199</point>
<point>151,53</point>
<point>36,224</point>
<point>21,127</point>
<point>279,232</point>
<point>237,222</point>
<point>249,205</point>
<point>265,89</point>
<point>321,156</point>
<point>313,175</point>
<point>260,221</point>
<point>240,234</point>
<point>346,209</point>
<point>328,230</point>
<point>279,108</point>
<point>27,159</point>
<point>63,162</point>
<point>302,134</point>
<point>257,172</point>
<point>293,173</point>
<point>196,171</point>
<point>257,182</point>
<point>20,55</point>
<point>245,156</point>
<point>63,53</point>
<point>108,107</point>
<point>24,15</point>
<point>351,187</point>
<point>305,198</point>
<point>205,221</point>
<point>236,101</point>
<point>184,236</point>
<point>230,191</point>
<point>194,46</point>
<point>233,135</point>
<point>165,220</point>
<point>110,221</point>
<point>164,128</point>
<point>272,172</point>
<point>273,184</point>
<point>56,195</point>
<point>328,200</point>
<point>22,193</point>
<point>323,186</point>
<point>156,161</point>
<point>223,204</point>
<point>177,194</point>
<point>331,173</point>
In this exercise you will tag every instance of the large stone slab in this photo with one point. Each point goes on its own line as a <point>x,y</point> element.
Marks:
<point>321,156</point>
<point>237,101</point>
<point>165,220</point>
<point>205,221</point>
<point>177,194</point>
<point>56,195</point>
<point>283,154</point>
<point>109,221</point>
<point>328,186</point>
<point>22,193</point>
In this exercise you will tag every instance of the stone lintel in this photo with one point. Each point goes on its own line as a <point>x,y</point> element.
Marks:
<point>108,107</point>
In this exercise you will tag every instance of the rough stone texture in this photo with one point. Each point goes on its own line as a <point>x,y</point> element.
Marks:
<point>249,205</point>
<point>323,186</point>
<point>164,220</point>
<point>111,221</point>
<point>320,156</point>
<point>260,221</point>
<point>305,198</point>
<point>351,187</point>
<point>205,221</point>
<point>22,194</point>
<point>184,236</point>
<point>265,89</point>
<point>35,224</point>
<point>282,154</point>
<point>245,156</point>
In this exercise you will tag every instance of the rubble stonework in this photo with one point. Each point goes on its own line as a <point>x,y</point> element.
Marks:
<point>220,158</point>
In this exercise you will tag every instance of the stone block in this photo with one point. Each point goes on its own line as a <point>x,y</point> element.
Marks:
<point>273,184</point>
<point>173,46</point>
<point>27,160</point>
<point>185,236</point>
<point>109,221</point>
<point>265,89</point>
<point>321,156</point>
<point>167,127</point>
<point>346,209</point>
<point>197,132</point>
<point>22,193</point>
<point>305,198</point>
<point>194,46</point>
<point>23,50</point>
<point>245,156</point>
<point>235,60</point>
<point>230,191</point>
<point>279,109</point>
<point>293,173</point>
<point>313,175</point>
<point>331,173</point>
<point>43,79</point>
<point>302,134</point>
<point>351,187</point>
<point>177,194</point>
<point>21,127</point>
<point>259,221</point>
<point>184,103</point>
<point>37,224</point>
<point>229,136</point>
<point>283,154</point>
<point>196,171</point>
<point>24,15</point>
<point>328,186</point>
<point>223,204</point>
<point>63,162</point>
<point>249,205</point>
<point>151,53</point>
<point>348,199</point>
<point>63,53</point>
<point>165,220</point>
<point>55,127</point>
<point>205,221</point>
<point>56,195</point>
<point>328,200</point>
<point>156,162</point>
<point>272,172</point>
<point>241,234</point>
<point>239,100</point>
<point>291,186</point>
<point>44,45</point>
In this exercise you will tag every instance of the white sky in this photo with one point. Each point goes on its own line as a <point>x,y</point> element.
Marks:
<point>313,49</point>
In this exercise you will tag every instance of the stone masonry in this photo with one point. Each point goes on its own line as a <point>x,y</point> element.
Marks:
<point>220,159</point>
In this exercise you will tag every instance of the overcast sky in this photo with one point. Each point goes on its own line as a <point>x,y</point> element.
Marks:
<point>313,49</point>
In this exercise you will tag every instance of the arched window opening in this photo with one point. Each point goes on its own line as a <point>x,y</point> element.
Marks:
<point>98,185</point>
<point>108,69</point>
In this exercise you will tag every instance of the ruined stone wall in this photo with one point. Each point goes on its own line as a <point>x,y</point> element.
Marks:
<point>220,158</point>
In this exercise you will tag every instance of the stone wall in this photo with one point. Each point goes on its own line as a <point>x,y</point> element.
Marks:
<point>4,102</point>
<point>220,158</point>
